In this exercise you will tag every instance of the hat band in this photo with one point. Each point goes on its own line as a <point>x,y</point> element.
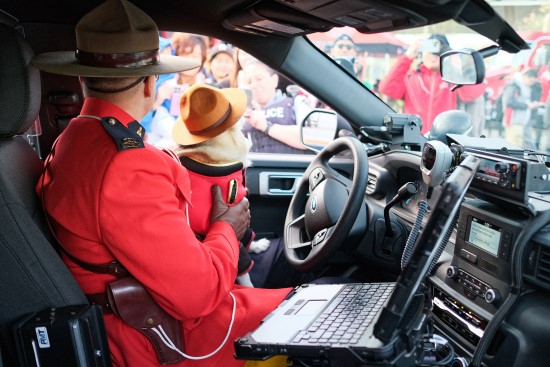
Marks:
<point>126,60</point>
<point>215,124</point>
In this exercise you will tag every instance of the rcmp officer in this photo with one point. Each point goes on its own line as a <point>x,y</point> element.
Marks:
<point>111,197</point>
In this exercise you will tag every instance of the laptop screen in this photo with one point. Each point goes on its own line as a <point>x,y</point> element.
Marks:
<point>414,273</point>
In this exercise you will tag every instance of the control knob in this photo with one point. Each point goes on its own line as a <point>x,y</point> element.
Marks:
<point>502,167</point>
<point>452,272</point>
<point>492,296</point>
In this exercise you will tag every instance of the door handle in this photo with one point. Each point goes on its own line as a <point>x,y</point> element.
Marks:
<point>279,183</point>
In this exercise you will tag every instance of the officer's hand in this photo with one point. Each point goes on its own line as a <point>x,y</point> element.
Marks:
<point>257,118</point>
<point>245,261</point>
<point>237,216</point>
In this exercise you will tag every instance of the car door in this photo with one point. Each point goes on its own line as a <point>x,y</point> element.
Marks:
<point>272,179</point>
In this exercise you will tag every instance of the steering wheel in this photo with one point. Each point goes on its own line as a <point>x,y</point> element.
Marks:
<point>321,222</point>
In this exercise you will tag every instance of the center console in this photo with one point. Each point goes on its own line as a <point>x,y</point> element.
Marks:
<point>477,278</point>
<point>473,279</point>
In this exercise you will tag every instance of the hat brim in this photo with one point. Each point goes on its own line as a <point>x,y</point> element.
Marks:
<point>238,100</point>
<point>65,63</point>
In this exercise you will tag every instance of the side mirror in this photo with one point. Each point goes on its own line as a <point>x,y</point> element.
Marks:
<point>462,67</point>
<point>318,129</point>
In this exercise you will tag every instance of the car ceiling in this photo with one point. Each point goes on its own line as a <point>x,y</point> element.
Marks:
<point>284,18</point>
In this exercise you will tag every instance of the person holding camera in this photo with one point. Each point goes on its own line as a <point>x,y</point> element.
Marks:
<point>415,79</point>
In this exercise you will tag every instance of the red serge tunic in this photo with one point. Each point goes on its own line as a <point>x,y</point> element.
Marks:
<point>130,205</point>
<point>231,179</point>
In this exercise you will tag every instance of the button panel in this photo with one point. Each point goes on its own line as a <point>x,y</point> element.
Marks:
<point>472,285</point>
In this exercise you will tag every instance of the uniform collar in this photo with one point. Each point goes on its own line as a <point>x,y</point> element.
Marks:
<point>101,108</point>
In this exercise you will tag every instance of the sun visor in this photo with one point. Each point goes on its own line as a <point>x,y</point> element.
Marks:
<point>275,19</point>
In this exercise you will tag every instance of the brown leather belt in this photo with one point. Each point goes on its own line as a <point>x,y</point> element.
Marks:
<point>101,300</point>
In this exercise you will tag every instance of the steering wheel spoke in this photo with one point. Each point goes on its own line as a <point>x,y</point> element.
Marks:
<point>294,232</point>
<point>320,236</point>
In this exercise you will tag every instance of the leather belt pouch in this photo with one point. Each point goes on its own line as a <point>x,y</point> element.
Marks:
<point>131,302</point>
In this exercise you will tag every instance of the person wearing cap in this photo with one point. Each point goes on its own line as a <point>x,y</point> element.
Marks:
<point>111,196</point>
<point>344,47</point>
<point>415,79</point>
<point>346,53</point>
<point>221,64</point>
<point>521,103</point>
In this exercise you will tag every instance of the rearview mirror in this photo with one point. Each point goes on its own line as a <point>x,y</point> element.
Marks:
<point>462,67</point>
<point>319,129</point>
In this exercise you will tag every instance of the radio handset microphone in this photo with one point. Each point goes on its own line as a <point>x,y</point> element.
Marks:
<point>436,160</point>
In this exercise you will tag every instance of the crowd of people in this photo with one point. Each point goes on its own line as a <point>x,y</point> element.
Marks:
<point>271,120</point>
<point>411,85</point>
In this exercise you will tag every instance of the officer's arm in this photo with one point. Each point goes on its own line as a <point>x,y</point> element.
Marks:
<point>143,223</point>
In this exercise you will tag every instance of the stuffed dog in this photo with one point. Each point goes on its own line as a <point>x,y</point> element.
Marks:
<point>214,151</point>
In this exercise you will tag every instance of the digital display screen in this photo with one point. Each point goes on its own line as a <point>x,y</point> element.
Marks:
<point>488,167</point>
<point>485,236</point>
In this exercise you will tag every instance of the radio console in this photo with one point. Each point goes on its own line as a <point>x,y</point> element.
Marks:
<point>480,268</point>
<point>507,178</point>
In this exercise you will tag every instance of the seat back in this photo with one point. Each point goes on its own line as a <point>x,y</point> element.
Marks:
<point>32,275</point>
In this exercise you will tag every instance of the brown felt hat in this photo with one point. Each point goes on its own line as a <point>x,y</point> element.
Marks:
<point>206,112</point>
<point>116,39</point>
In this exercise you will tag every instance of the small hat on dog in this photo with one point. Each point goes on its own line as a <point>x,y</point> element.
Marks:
<point>206,112</point>
<point>116,39</point>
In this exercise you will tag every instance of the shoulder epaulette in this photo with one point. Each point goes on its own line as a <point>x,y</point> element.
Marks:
<point>125,137</point>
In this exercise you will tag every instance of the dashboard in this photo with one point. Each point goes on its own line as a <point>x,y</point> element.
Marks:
<point>491,287</point>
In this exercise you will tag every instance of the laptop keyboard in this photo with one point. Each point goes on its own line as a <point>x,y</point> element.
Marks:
<point>345,320</point>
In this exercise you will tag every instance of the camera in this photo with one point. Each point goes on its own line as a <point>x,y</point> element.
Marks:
<point>432,46</point>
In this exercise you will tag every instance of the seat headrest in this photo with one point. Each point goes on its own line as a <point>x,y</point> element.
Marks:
<point>20,89</point>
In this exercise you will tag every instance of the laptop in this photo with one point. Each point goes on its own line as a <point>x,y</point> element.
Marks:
<point>360,323</point>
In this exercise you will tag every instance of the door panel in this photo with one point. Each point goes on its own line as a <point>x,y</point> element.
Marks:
<point>271,179</point>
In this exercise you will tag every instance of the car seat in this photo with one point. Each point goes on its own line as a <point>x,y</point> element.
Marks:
<point>32,275</point>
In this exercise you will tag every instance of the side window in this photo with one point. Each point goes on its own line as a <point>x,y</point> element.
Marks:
<point>275,106</point>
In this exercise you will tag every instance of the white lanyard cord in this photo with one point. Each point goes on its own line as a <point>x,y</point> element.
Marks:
<point>166,340</point>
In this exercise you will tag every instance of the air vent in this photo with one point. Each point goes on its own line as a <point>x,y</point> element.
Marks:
<point>371,184</point>
<point>543,266</point>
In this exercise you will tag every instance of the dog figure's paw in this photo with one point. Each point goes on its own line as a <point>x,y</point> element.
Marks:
<point>259,246</point>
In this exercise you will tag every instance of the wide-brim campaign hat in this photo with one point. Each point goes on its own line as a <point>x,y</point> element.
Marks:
<point>116,39</point>
<point>206,112</point>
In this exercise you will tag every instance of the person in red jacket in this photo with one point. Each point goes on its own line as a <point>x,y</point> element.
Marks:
<point>415,78</point>
<point>111,196</point>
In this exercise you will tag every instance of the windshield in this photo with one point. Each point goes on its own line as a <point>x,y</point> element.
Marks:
<point>400,68</point>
